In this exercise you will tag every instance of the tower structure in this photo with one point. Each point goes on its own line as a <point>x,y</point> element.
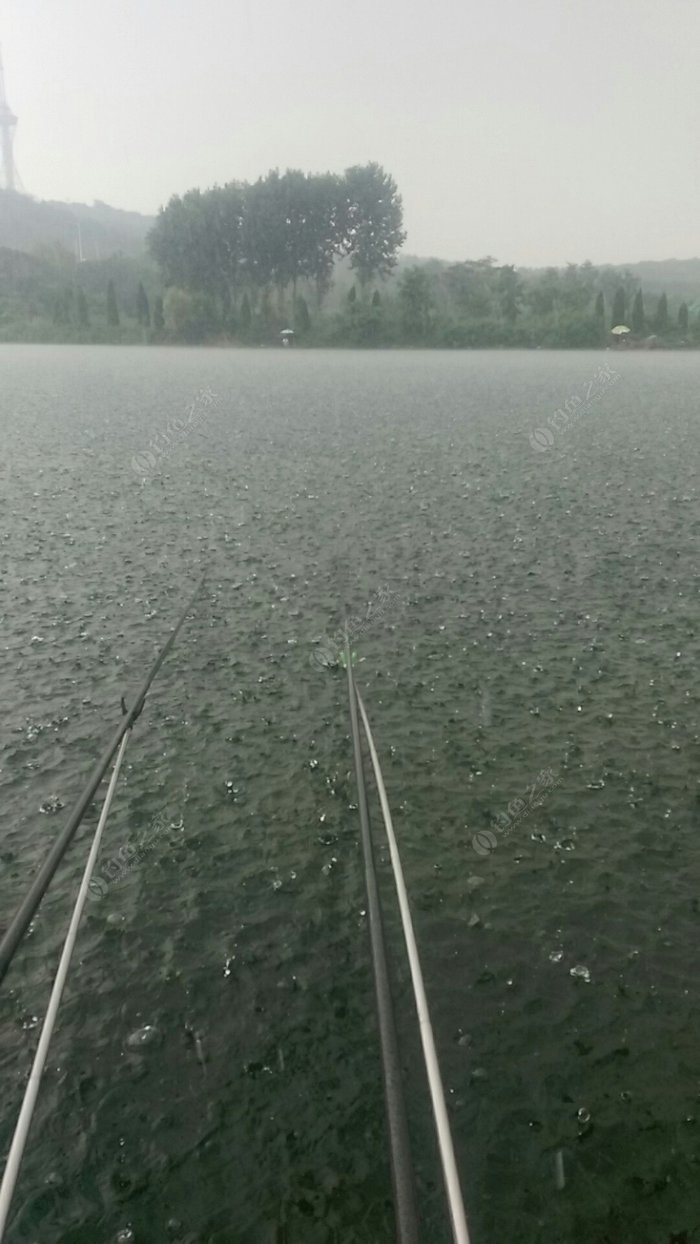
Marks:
<point>8,121</point>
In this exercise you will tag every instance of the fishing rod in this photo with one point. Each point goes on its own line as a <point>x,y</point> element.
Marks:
<point>26,1114</point>
<point>402,1179</point>
<point>28,907</point>
<point>453,1190</point>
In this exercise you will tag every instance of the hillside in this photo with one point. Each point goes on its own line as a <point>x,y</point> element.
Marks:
<point>27,224</point>
<point>678,278</point>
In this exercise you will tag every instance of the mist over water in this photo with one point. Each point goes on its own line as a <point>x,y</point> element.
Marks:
<point>215,1071</point>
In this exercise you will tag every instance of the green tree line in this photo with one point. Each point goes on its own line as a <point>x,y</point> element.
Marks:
<point>244,261</point>
<point>255,254</point>
<point>51,296</point>
<point>479,303</point>
<point>320,252</point>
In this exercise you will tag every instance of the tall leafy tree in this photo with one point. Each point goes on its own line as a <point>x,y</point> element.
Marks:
<point>306,222</point>
<point>279,231</point>
<point>301,226</point>
<point>174,240</point>
<point>618,309</point>
<point>326,239</point>
<point>224,208</point>
<point>158,314</point>
<point>196,241</point>
<point>112,308</point>
<point>296,226</point>
<point>371,222</point>
<point>263,234</point>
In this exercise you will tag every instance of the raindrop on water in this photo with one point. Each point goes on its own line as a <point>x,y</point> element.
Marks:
<point>148,1035</point>
<point>581,972</point>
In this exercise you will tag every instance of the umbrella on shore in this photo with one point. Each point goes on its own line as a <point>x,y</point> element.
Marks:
<point>619,329</point>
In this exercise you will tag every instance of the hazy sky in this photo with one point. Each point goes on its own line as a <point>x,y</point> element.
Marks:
<point>537,131</point>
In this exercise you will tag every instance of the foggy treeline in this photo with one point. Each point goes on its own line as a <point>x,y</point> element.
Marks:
<point>321,254</point>
<point>244,244</point>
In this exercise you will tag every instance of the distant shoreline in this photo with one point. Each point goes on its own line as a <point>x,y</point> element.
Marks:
<point>319,347</point>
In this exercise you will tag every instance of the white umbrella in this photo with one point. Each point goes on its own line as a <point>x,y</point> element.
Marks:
<point>619,329</point>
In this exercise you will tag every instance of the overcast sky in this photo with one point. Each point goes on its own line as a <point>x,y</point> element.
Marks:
<point>537,131</point>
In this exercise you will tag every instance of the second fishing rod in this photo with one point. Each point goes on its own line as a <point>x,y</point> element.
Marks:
<point>27,909</point>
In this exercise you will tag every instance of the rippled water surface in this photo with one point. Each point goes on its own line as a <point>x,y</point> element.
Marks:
<point>214,1077</point>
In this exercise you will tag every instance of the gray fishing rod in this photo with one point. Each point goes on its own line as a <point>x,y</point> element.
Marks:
<point>27,909</point>
<point>402,1178</point>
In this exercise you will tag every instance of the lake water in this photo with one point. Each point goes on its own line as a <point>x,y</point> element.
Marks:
<point>532,636</point>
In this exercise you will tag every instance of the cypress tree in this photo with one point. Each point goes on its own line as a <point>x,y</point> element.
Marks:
<point>158,317</point>
<point>352,296</point>
<point>143,311</point>
<point>112,309</point>
<point>600,306</point>
<point>683,317</point>
<point>302,319</point>
<point>376,300</point>
<point>638,313</point>
<point>661,322</point>
<point>618,311</point>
